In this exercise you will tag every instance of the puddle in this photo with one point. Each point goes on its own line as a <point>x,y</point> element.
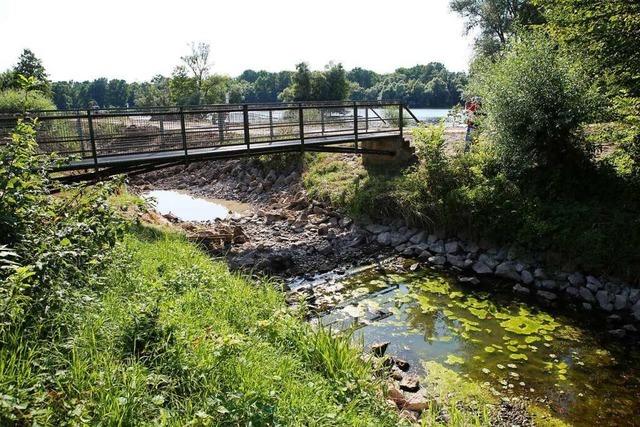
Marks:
<point>190,208</point>
<point>513,348</point>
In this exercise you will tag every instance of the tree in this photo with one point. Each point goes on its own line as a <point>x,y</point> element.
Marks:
<point>536,99</point>
<point>606,32</point>
<point>337,84</point>
<point>496,19</point>
<point>31,66</point>
<point>301,83</point>
<point>364,78</point>
<point>198,63</point>
<point>155,93</point>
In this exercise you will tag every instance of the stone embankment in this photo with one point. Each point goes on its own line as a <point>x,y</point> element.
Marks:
<point>290,235</point>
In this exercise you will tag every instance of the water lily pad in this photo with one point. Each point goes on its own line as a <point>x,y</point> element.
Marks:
<point>489,349</point>
<point>518,356</point>
<point>454,360</point>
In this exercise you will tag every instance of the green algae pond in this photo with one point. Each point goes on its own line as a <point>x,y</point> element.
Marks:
<point>555,362</point>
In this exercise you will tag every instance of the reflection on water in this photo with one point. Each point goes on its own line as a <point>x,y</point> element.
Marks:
<point>189,208</point>
<point>510,347</point>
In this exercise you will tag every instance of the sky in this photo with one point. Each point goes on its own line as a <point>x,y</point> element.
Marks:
<point>137,39</point>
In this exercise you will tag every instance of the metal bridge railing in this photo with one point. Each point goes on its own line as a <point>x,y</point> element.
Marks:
<point>100,133</point>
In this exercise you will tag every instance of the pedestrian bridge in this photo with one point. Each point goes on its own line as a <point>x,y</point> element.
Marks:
<point>108,141</point>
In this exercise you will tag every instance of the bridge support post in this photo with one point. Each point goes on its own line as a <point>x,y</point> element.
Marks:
<point>355,124</point>
<point>183,131</point>
<point>245,119</point>
<point>220,127</point>
<point>401,119</point>
<point>271,124</point>
<point>366,120</point>
<point>301,124</point>
<point>92,138</point>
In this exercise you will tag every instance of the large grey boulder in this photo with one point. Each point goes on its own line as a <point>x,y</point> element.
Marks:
<point>603,300</point>
<point>586,295</point>
<point>456,260</point>
<point>549,296</point>
<point>507,270</point>
<point>576,279</point>
<point>451,247</point>
<point>384,238</point>
<point>526,277</point>
<point>480,267</point>
<point>418,238</point>
<point>620,302</point>
<point>377,228</point>
<point>488,260</point>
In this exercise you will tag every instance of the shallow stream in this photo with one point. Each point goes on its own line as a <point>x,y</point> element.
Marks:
<point>510,347</point>
<point>189,208</point>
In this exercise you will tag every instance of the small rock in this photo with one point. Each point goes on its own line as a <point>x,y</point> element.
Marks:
<point>451,247</point>
<point>455,260</point>
<point>539,273</point>
<point>518,288</point>
<point>402,364</point>
<point>572,292</point>
<point>576,279</point>
<point>526,277</point>
<point>603,299</point>
<point>630,328</point>
<point>586,295</point>
<point>416,402</point>
<point>594,281</point>
<point>377,228</point>
<point>378,349</point>
<point>418,238</point>
<point>470,280</point>
<point>586,306</point>
<point>479,267</point>
<point>323,229</point>
<point>437,260</point>
<point>410,383</point>
<point>620,302</point>
<point>549,296</point>
<point>384,238</point>
<point>396,373</point>
<point>507,270</point>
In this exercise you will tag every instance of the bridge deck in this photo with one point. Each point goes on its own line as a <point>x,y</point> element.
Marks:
<point>121,140</point>
<point>223,151</point>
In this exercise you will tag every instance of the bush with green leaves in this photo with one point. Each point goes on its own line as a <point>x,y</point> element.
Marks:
<point>18,100</point>
<point>535,99</point>
<point>53,244</point>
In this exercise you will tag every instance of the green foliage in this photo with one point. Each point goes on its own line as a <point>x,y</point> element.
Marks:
<point>18,100</point>
<point>606,32</point>
<point>470,193</point>
<point>496,20</point>
<point>535,100</point>
<point>169,339</point>
<point>56,241</point>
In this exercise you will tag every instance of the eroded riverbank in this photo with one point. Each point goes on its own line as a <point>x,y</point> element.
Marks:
<point>460,316</point>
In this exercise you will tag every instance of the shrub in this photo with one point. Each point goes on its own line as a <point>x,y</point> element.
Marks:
<point>535,100</point>
<point>57,243</point>
<point>18,100</point>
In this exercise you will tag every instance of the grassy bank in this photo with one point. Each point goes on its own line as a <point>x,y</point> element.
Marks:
<point>172,337</point>
<point>468,194</point>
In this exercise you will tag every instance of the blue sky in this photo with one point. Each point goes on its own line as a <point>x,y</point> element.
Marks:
<point>137,39</point>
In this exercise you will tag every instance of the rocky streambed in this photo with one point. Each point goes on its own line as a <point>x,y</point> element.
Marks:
<point>563,340</point>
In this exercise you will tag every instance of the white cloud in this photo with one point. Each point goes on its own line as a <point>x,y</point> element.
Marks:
<point>136,39</point>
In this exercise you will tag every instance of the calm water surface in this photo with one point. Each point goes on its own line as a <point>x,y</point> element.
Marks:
<point>511,347</point>
<point>190,208</point>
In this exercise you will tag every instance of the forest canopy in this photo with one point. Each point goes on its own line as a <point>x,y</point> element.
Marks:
<point>194,82</point>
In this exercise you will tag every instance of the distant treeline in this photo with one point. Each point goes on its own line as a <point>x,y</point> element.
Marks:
<point>429,86</point>
<point>191,83</point>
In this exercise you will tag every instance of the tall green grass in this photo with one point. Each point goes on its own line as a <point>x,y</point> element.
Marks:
<point>173,338</point>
